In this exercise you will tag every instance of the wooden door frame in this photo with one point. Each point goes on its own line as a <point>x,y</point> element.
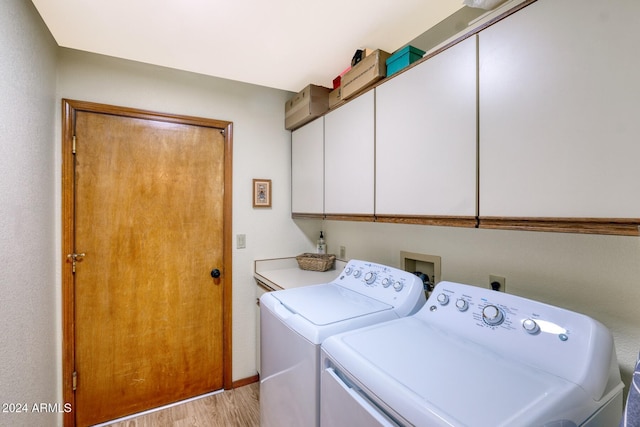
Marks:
<point>69,109</point>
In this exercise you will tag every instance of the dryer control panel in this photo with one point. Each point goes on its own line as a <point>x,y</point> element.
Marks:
<point>401,289</point>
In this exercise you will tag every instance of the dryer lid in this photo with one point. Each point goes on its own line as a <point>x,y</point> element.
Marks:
<point>328,303</point>
<point>426,373</point>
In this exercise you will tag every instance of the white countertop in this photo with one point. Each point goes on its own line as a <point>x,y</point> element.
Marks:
<point>284,273</point>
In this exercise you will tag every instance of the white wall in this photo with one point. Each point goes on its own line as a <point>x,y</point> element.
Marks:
<point>28,363</point>
<point>595,275</point>
<point>261,149</point>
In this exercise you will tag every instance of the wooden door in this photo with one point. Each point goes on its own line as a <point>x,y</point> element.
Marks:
<point>150,223</point>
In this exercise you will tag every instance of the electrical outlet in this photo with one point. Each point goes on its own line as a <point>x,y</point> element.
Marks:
<point>498,283</point>
<point>241,241</point>
<point>343,252</point>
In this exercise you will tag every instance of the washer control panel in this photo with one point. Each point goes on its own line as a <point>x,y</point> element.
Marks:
<point>396,287</point>
<point>551,338</point>
<point>490,309</point>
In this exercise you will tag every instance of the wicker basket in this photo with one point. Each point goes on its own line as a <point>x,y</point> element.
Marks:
<point>315,262</point>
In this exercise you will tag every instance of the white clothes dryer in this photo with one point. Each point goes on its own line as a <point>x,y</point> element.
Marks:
<point>473,357</point>
<point>295,322</point>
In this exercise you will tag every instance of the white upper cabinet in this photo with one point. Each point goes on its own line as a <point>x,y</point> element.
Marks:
<point>349,157</point>
<point>560,111</point>
<point>426,137</point>
<point>307,168</point>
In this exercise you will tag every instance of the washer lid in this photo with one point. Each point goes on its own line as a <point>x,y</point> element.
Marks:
<point>328,303</point>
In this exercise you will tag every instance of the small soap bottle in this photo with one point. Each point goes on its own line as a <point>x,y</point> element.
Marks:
<point>321,246</point>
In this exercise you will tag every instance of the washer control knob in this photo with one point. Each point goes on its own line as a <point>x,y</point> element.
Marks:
<point>348,271</point>
<point>398,286</point>
<point>357,273</point>
<point>492,315</point>
<point>530,326</point>
<point>370,278</point>
<point>386,282</point>
<point>462,304</point>
<point>443,299</point>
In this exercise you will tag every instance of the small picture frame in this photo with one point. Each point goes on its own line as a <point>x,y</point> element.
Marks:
<point>261,193</point>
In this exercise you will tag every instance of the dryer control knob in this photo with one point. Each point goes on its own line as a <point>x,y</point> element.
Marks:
<point>462,304</point>
<point>443,299</point>
<point>370,277</point>
<point>492,315</point>
<point>530,326</point>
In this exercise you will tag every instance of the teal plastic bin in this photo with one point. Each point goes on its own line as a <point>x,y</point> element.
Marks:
<point>402,58</point>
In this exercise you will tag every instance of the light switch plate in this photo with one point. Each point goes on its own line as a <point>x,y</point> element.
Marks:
<point>241,241</point>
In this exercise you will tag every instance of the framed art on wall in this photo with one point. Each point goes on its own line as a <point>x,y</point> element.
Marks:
<point>261,193</point>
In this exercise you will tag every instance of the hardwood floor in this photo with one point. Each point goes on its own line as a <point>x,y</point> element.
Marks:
<point>238,407</point>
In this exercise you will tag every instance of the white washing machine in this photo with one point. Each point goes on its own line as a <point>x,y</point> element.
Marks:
<point>473,357</point>
<point>294,322</point>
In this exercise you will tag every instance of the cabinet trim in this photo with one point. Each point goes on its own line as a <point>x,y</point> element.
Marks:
<point>445,221</point>
<point>299,215</point>
<point>350,217</point>
<point>335,217</point>
<point>610,226</point>
<point>604,226</point>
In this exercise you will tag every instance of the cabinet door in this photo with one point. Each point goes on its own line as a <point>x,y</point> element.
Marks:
<point>307,168</point>
<point>349,153</point>
<point>426,139</point>
<point>559,110</point>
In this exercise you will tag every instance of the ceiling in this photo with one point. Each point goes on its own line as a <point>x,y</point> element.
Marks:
<point>283,44</point>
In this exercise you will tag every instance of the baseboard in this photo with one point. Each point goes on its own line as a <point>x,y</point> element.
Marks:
<point>245,381</point>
